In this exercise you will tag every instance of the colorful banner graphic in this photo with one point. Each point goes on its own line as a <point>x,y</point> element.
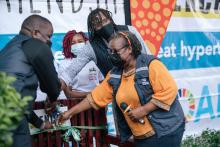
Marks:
<point>151,18</point>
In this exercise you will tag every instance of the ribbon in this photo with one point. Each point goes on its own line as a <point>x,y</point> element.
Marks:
<point>75,134</point>
<point>71,130</point>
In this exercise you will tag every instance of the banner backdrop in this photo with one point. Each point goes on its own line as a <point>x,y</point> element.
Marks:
<point>190,48</point>
<point>64,15</point>
<point>191,51</point>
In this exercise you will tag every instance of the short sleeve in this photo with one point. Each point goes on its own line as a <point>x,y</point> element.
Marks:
<point>163,84</point>
<point>102,94</point>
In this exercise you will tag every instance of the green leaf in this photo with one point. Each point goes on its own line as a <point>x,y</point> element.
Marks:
<point>12,109</point>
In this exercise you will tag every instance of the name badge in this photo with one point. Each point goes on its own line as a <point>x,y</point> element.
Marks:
<point>144,81</point>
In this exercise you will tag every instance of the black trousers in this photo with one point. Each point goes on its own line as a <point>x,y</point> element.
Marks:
<point>172,140</point>
<point>21,136</point>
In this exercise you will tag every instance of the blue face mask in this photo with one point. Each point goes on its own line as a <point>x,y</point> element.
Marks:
<point>75,48</point>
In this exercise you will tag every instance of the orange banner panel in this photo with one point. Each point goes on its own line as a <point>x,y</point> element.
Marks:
<point>151,18</point>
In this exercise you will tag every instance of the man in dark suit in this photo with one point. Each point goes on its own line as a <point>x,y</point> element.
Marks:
<point>28,57</point>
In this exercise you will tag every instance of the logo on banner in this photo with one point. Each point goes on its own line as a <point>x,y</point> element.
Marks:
<point>202,107</point>
<point>187,95</point>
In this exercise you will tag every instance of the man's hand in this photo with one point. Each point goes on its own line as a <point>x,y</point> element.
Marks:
<point>49,106</point>
<point>46,125</point>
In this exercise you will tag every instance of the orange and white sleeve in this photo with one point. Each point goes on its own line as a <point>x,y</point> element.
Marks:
<point>101,95</point>
<point>163,84</point>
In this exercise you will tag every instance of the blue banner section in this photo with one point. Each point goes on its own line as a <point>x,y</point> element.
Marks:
<point>179,50</point>
<point>188,50</point>
<point>5,38</point>
<point>57,40</point>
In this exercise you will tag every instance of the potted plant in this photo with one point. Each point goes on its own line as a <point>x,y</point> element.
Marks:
<point>12,109</point>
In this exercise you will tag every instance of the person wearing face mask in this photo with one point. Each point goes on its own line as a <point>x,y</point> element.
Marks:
<point>29,59</point>
<point>144,95</point>
<point>74,44</point>
<point>100,27</point>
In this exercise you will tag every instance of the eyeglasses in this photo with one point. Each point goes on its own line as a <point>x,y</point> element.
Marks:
<point>127,45</point>
<point>117,51</point>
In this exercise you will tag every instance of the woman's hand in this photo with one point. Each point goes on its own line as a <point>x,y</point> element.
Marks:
<point>70,93</point>
<point>63,117</point>
<point>82,106</point>
<point>63,84</point>
<point>142,111</point>
<point>67,90</point>
<point>137,113</point>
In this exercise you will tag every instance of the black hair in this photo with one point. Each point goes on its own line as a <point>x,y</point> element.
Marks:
<point>130,40</point>
<point>93,19</point>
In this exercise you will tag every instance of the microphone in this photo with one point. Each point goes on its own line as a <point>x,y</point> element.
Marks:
<point>127,108</point>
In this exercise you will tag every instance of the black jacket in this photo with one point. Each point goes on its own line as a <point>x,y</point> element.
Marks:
<point>101,51</point>
<point>30,61</point>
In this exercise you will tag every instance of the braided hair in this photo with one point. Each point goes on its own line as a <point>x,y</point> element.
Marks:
<point>67,42</point>
<point>95,18</point>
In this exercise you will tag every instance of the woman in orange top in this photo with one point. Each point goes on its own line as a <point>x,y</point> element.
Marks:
<point>143,90</point>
